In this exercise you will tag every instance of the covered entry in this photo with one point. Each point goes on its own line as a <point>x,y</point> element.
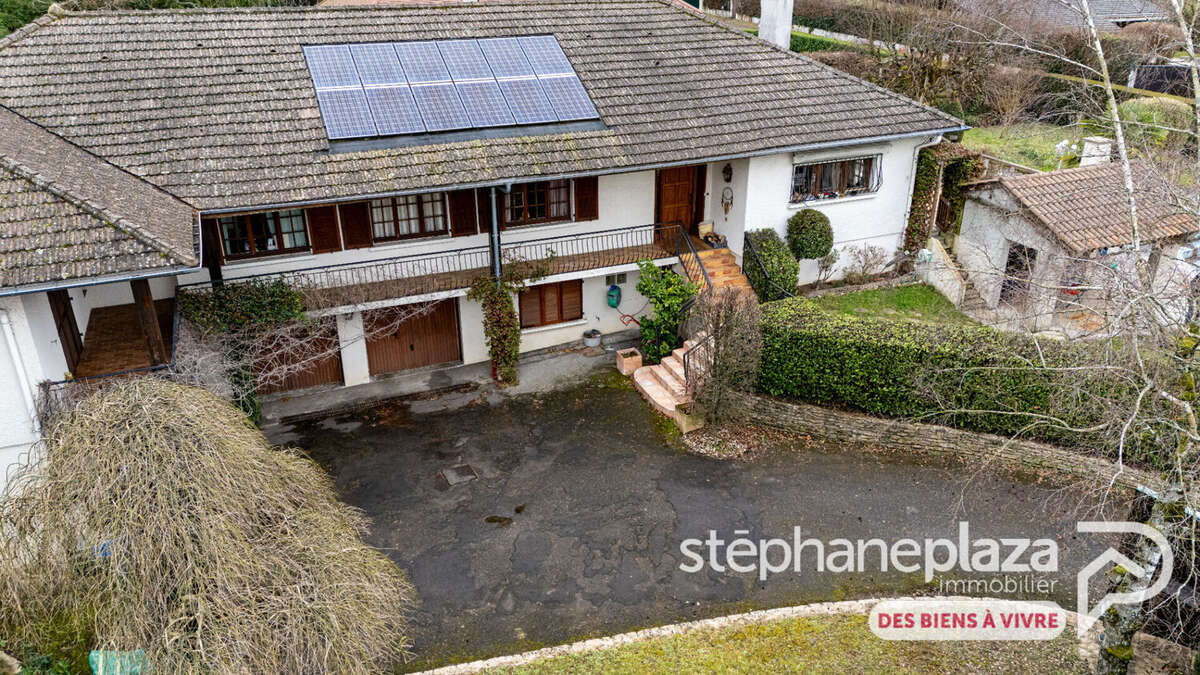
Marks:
<point>424,340</point>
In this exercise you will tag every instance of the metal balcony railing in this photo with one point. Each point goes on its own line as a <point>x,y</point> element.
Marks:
<point>343,284</point>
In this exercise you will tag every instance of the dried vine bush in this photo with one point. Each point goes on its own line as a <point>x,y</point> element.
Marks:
<point>256,335</point>
<point>729,363</point>
<point>158,518</point>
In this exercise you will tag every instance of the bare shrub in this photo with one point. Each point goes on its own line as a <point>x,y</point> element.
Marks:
<point>156,517</point>
<point>729,362</point>
<point>1008,93</point>
<point>865,263</point>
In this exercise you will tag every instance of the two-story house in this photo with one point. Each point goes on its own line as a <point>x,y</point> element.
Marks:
<point>405,151</point>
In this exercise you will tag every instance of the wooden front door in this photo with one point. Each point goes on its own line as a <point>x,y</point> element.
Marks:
<point>424,340</point>
<point>679,195</point>
<point>68,330</point>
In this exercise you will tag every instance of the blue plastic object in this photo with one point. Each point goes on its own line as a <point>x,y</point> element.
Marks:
<point>105,662</point>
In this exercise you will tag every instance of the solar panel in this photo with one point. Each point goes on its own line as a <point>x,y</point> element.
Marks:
<point>395,88</point>
<point>422,62</point>
<point>546,57</point>
<point>485,104</point>
<point>527,101</point>
<point>377,64</point>
<point>394,110</point>
<point>465,60</point>
<point>569,98</point>
<point>345,113</point>
<point>331,66</point>
<point>505,57</point>
<point>440,107</point>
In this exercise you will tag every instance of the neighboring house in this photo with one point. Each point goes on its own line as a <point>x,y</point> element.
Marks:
<point>408,150</point>
<point>1027,241</point>
<point>1051,16</point>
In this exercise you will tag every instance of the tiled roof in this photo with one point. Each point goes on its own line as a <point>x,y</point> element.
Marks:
<point>218,108</point>
<point>66,214</point>
<point>1087,207</point>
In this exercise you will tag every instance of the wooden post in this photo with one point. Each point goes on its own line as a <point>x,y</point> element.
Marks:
<point>143,302</point>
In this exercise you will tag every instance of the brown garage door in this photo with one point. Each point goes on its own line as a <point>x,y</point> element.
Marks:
<point>312,360</point>
<point>423,340</point>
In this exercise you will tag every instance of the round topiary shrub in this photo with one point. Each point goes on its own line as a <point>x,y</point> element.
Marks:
<point>809,234</point>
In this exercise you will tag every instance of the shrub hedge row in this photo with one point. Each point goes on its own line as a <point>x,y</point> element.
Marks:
<point>928,371</point>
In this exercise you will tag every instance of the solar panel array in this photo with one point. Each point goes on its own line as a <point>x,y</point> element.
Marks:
<point>396,88</point>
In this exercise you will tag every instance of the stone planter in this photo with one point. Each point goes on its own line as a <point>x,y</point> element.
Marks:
<point>629,360</point>
<point>688,417</point>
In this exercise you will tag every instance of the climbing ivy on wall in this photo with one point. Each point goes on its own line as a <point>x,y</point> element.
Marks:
<point>920,216</point>
<point>960,166</point>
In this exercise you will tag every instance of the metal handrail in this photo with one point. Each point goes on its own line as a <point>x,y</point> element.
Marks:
<point>416,265</point>
<point>690,356</point>
<point>684,239</point>
<point>749,252</point>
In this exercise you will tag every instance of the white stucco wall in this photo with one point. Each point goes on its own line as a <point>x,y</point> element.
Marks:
<point>877,219</point>
<point>991,222</point>
<point>18,426</point>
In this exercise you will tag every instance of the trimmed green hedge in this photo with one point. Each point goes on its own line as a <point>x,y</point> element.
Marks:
<point>918,370</point>
<point>809,234</point>
<point>777,272</point>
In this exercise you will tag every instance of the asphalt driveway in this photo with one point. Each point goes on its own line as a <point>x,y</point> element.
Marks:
<point>573,523</point>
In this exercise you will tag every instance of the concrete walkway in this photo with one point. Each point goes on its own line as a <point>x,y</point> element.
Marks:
<point>572,523</point>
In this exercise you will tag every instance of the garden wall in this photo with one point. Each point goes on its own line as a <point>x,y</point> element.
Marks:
<point>840,426</point>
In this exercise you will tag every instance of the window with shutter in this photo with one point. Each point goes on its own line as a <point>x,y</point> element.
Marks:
<point>549,304</point>
<point>587,199</point>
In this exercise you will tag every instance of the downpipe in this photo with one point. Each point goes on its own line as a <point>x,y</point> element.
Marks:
<point>10,339</point>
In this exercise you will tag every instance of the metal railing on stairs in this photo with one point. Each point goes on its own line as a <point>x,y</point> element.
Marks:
<point>751,254</point>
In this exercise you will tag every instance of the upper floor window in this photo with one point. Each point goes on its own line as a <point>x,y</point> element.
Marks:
<point>830,180</point>
<point>542,202</point>
<point>408,216</point>
<point>263,233</point>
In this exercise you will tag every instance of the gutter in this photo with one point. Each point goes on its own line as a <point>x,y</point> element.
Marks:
<point>580,174</point>
<point>10,339</point>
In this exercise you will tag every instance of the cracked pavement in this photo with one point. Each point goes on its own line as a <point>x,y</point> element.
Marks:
<point>572,528</point>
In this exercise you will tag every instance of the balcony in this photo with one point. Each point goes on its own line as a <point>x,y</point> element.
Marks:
<point>329,286</point>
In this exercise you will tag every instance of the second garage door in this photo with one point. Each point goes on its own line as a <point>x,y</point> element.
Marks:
<point>425,340</point>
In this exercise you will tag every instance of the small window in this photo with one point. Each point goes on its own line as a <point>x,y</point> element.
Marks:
<point>257,234</point>
<point>408,216</point>
<point>830,180</point>
<point>551,303</point>
<point>615,279</point>
<point>541,202</point>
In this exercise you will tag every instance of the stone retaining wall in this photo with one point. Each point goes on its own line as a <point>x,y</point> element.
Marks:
<point>848,427</point>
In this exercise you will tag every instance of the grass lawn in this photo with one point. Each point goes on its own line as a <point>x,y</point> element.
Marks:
<point>822,644</point>
<point>917,303</point>
<point>1031,144</point>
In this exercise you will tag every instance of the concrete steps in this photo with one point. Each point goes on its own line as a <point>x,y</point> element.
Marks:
<point>664,384</point>
<point>723,269</point>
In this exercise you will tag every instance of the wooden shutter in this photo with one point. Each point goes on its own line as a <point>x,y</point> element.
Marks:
<point>531,307</point>
<point>213,248</point>
<point>323,229</point>
<point>356,224</point>
<point>551,303</point>
<point>572,300</point>
<point>587,198</point>
<point>463,213</point>
<point>484,201</point>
